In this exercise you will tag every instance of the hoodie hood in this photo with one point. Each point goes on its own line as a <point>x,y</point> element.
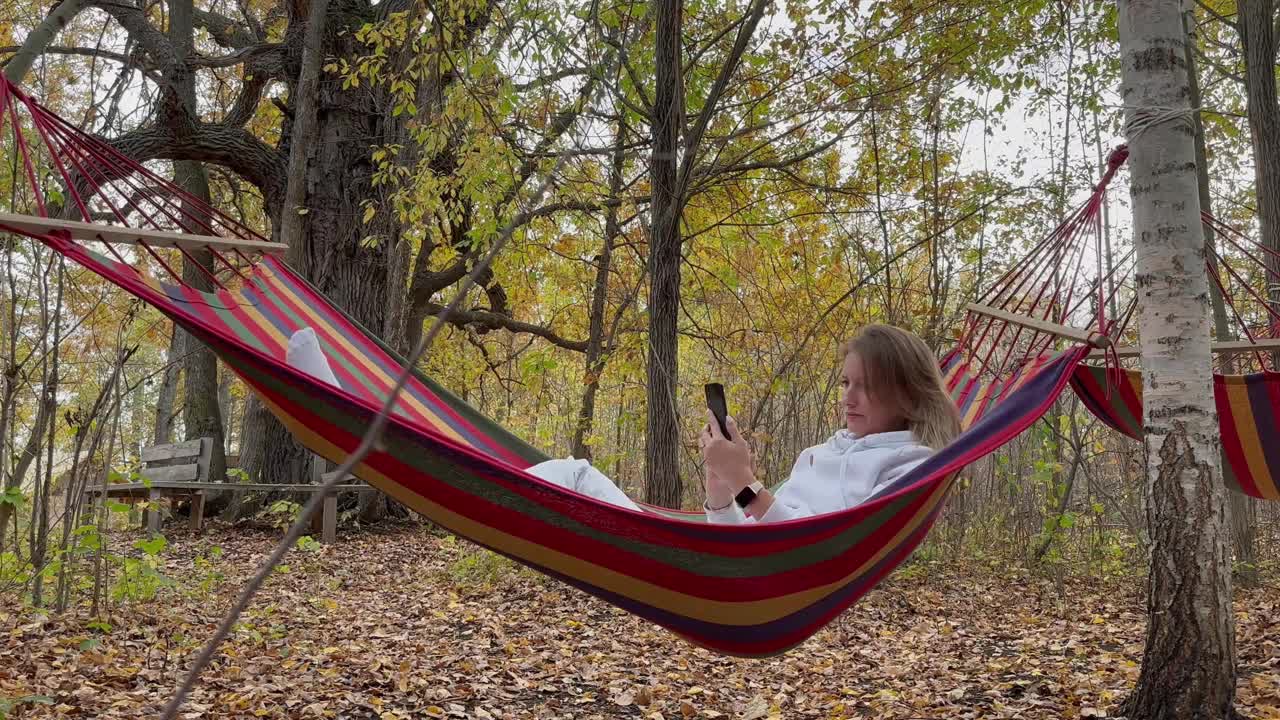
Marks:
<point>843,440</point>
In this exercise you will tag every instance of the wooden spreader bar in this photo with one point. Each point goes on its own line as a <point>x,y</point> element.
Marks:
<point>1087,337</point>
<point>1227,347</point>
<point>92,232</point>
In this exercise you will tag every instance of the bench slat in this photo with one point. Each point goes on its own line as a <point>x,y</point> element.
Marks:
<point>175,451</point>
<point>172,473</point>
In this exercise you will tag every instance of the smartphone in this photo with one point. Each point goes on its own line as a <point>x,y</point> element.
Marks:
<point>717,405</point>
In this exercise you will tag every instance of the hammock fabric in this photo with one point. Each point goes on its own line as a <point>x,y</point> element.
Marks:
<point>742,590</point>
<point>1248,415</point>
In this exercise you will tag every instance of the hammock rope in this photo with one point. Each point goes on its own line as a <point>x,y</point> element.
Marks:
<point>748,590</point>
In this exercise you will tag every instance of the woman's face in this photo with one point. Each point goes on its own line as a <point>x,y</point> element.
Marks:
<point>863,413</point>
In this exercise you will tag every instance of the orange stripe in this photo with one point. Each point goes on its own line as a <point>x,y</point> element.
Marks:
<point>979,402</point>
<point>1246,429</point>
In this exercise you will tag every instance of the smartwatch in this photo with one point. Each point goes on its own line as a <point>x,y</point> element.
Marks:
<point>748,493</point>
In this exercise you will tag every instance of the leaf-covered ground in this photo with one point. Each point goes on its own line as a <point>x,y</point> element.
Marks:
<point>403,624</point>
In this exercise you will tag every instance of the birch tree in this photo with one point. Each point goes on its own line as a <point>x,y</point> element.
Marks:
<point>1189,660</point>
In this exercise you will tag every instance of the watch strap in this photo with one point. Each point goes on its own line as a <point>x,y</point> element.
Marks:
<point>747,494</point>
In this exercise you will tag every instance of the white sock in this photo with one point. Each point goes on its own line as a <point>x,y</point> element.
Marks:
<point>305,354</point>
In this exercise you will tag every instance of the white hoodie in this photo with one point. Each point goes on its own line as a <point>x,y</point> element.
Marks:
<point>838,474</point>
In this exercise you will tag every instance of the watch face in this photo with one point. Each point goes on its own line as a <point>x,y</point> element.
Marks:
<point>745,496</point>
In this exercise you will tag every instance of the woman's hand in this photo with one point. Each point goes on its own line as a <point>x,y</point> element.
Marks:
<point>728,461</point>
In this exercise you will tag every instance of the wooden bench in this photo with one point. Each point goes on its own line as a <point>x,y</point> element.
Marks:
<point>176,462</point>
<point>325,523</point>
<point>180,471</point>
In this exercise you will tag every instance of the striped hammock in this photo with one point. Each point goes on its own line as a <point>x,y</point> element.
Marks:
<point>748,590</point>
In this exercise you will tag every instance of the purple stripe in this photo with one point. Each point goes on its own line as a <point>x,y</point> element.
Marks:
<point>255,300</point>
<point>1265,420</point>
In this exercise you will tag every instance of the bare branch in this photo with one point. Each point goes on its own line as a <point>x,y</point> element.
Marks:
<point>121,58</point>
<point>694,138</point>
<point>1215,14</point>
<point>552,78</point>
<point>498,321</point>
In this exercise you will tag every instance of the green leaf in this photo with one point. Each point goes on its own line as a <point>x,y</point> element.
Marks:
<point>153,546</point>
<point>13,496</point>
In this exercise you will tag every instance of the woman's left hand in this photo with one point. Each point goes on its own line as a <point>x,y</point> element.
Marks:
<point>730,459</point>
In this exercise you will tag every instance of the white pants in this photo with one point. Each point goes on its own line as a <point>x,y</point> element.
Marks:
<point>580,476</point>
<point>304,353</point>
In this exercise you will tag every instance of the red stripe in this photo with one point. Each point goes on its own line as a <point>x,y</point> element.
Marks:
<point>1097,399</point>
<point>782,642</point>
<point>1129,394</point>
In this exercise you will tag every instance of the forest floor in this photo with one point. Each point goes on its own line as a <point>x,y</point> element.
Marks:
<point>401,623</point>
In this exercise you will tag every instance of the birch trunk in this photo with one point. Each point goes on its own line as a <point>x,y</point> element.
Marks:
<point>1189,661</point>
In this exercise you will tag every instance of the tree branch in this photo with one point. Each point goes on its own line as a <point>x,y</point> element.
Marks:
<point>1215,14</point>
<point>135,22</point>
<point>223,30</point>
<point>246,102</point>
<point>552,78</point>
<point>40,37</point>
<point>694,138</point>
<point>498,321</point>
<point>262,58</point>
<point>231,147</point>
<point>121,58</point>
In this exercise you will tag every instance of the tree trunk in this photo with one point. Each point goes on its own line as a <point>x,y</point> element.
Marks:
<point>330,251</point>
<point>1258,37</point>
<point>1189,662</point>
<point>24,460</point>
<point>168,394</point>
<point>1242,523</point>
<point>595,361</point>
<point>1257,34</point>
<point>200,403</point>
<point>226,405</point>
<point>662,429</point>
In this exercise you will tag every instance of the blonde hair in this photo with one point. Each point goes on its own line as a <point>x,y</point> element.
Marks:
<point>902,371</point>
